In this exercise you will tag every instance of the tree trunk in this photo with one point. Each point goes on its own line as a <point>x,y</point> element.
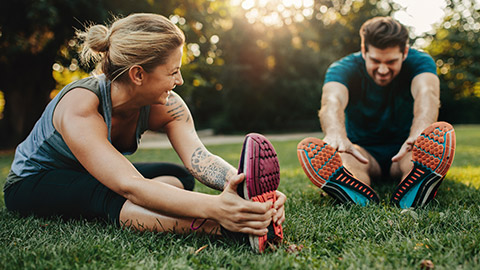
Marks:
<point>26,86</point>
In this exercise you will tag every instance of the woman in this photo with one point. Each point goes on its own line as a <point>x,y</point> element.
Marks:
<point>72,163</point>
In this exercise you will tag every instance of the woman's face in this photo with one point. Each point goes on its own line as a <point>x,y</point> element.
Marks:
<point>164,78</point>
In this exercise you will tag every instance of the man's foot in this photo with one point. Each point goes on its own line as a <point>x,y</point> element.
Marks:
<point>432,155</point>
<point>260,165</point>
<point>323,165</point>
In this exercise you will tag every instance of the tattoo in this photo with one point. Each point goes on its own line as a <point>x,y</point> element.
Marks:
<point>209,169</point>
<point>177,112</point>
<point>171,100</point>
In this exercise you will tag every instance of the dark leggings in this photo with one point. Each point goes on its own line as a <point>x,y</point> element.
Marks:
<point>74,194</point>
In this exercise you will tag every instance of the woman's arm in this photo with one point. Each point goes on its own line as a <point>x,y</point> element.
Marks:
<point>175,119</point>
<point>77,119</point>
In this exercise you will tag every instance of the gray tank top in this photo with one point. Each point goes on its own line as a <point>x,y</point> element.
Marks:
<point>44,148</point>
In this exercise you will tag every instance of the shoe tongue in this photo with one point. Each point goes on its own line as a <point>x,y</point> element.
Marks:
<point>271,232</point>
<point>240,189</point>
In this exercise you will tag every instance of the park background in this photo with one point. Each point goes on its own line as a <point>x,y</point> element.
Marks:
<point>249,65</point>
<point>252,65</point>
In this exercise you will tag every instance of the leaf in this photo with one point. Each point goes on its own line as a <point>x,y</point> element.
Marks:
<point>427,264</point>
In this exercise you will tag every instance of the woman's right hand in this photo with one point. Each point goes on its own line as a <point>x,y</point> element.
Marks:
<point>236,214</point>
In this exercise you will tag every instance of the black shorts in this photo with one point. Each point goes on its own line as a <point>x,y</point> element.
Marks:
<point>74,194</point>
<point>383,155</point>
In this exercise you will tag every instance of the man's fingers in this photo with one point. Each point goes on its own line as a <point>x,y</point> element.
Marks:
<point>406,147</point>
<point>359,156</point>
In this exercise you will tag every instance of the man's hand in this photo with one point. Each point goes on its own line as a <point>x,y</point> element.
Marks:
<point>406,147</point>
<point>344,145</point>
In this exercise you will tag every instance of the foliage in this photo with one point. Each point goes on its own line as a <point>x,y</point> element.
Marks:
<point>319,234</point>
<point>267,75</point>
<point>249,65</point>
<point>455,46</point>
<point>34,35</point>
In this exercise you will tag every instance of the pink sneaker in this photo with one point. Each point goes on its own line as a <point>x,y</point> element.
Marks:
<point>260,165</point>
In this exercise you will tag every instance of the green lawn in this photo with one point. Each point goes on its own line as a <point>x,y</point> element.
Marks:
<point>446,232</point>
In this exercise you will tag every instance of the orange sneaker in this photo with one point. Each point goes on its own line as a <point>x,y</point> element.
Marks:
<point>323,166</point>
<point>432,156</point>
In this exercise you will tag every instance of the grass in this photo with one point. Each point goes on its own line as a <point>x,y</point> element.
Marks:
<point>333,236</point>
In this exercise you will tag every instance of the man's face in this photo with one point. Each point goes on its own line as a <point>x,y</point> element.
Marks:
<point>383,65</point>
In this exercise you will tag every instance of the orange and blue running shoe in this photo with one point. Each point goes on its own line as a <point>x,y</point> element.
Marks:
<point>260,165</point>
<point>323,166</point>
<point>432,155</point>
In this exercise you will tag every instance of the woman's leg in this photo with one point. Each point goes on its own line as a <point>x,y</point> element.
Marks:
<point>180,177</point>
<point>73,194</point>
<point>140,218</point>
<point>66,193</point>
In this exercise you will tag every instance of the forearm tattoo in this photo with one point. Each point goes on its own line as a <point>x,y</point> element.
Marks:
<point>209,169</point>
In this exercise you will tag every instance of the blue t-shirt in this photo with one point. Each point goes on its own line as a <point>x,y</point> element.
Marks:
<point>376,114</point>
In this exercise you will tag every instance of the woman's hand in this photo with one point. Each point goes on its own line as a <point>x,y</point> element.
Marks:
<point>239,215</point>
<point>279,205</point>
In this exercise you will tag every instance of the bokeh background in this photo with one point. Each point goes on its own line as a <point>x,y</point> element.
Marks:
<point>249,65</point>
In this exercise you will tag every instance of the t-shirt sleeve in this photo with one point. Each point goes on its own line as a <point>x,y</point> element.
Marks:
<point>419,62</point>
<point>341,71</point>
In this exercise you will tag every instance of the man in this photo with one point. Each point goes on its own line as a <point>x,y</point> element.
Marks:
<point>378,113</point>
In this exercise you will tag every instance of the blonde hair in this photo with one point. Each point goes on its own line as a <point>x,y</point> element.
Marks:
<point>140,39</point>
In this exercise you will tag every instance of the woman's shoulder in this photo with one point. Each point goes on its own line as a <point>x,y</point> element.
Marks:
<point>91,83</point>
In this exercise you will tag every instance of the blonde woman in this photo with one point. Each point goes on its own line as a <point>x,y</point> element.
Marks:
<point>73,164</point>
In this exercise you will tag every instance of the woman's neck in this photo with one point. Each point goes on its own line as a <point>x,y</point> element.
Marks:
<point>123,99</point>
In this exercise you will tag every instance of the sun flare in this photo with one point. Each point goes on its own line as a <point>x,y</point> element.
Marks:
<point>276,12</point>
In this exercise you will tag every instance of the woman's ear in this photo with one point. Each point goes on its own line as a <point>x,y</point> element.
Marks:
<point>136,74</point>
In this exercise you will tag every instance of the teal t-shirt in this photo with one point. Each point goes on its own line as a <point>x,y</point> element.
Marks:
<point>376,114</point>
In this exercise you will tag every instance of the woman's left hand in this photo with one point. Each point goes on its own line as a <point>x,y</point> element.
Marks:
<point>279,205</point>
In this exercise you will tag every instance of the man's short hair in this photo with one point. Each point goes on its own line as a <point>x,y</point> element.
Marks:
<point>383,32</point>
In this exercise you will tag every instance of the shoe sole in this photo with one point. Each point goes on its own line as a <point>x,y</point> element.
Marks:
<point>432,156</point>
<point>323,166</point>
<point>260,164</point>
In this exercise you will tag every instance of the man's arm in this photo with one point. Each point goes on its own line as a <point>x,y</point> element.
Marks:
<point>426,94</point>
<point>332,119</point>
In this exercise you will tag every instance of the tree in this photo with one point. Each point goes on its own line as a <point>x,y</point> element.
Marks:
<point>455,46</point>
<point>33,36</point>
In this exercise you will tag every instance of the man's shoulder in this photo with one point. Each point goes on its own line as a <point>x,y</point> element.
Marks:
<point>351,62</point>
<point>351,59</point>
<point>345,70</point>
<point>417,53</point>
<point>418,61</point>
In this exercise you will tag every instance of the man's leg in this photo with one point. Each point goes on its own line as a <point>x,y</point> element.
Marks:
<point>432,156</point>
<point>400,169</point>
<point>361,171</point>
<point>324,167</point>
